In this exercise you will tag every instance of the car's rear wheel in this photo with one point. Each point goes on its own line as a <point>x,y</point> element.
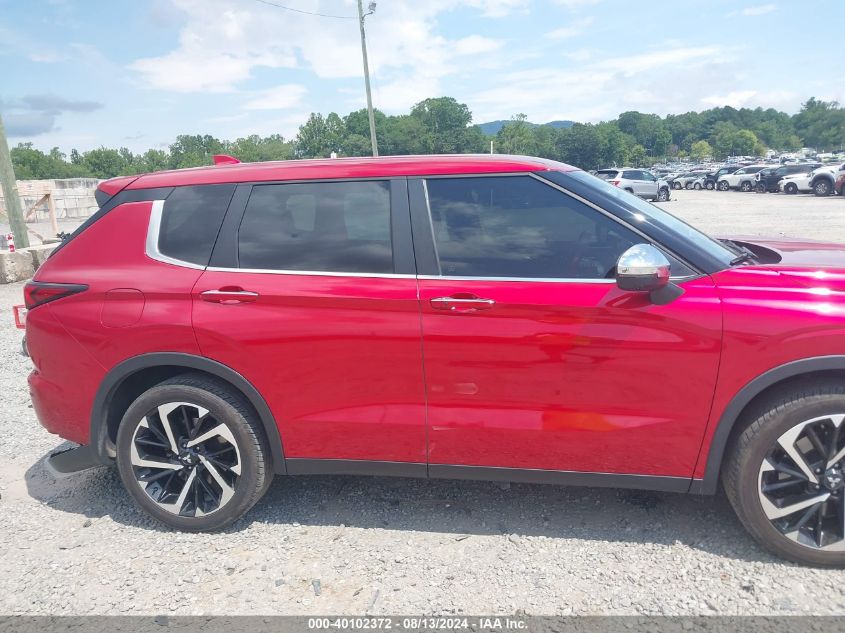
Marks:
<point>791,188</point>
<point>760,188</point>
<point>676,185</point>
<point>822,188</point>
<point>697,186</point>
<point>688,185</point>
<point>192,454</point>
<point>663,194</point>
<point>745,186</point>
<point>710,185</point>
<point>723,185</point>
<point>784,475</point>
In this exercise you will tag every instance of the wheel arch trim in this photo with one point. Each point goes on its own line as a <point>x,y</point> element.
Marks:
<point>119,373</point>
<point>731,414</point>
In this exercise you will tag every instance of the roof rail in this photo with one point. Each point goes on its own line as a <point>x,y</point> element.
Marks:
<point>225,159</point>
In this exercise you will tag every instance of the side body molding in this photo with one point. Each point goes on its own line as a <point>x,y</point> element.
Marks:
<point>718,444</point>
<point>124,370</point>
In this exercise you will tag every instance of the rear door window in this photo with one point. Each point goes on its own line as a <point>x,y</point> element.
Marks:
<point>320,227</point>
<point>190,222</point>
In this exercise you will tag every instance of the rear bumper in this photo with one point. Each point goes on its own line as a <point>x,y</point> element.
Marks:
<point>50,403</point>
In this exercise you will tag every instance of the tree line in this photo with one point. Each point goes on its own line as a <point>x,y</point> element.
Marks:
<point>444,126</point>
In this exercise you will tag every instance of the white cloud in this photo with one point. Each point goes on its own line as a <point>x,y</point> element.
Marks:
<point>498,8</point>
<point>572,30</point>
<point>278,98</point>
<point>735,99</point>
<point>576,4</point>
<point>755,11</point>
<point>476,44</point>
<point>601,89</point>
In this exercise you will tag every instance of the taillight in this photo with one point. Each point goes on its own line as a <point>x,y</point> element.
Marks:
<point>615,183</point>
<point>36,293</point>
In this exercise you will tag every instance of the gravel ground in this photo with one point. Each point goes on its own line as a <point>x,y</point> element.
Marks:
<point>384,546</point>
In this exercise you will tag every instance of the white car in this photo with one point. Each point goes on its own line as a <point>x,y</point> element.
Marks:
<point>796,183</point>
<point>743,179</point>
<point>639,182</point>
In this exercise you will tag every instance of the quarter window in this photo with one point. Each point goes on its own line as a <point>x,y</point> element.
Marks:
<point>516,226</point>
<point>321,227</point>
<point>190,221</point>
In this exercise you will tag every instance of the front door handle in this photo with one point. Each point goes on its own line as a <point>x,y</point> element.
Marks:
<point>229,296</point>
<point>462,303</point>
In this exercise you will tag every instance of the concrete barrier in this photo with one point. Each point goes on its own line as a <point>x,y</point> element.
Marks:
<point>23,263</point>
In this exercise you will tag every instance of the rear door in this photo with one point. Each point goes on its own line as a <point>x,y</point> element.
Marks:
<point>311,295</point>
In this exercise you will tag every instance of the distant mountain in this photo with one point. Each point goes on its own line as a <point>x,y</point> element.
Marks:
<point>492,128</point>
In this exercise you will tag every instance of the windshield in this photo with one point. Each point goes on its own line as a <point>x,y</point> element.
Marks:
<point>714,247</point>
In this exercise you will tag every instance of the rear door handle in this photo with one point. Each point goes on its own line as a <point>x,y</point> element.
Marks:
<point>229,296</point>
<point>462,304</point>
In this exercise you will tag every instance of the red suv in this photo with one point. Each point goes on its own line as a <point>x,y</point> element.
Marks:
<point>470,317</point>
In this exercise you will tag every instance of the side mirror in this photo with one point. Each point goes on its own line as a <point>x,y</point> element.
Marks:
<point>642,268</point>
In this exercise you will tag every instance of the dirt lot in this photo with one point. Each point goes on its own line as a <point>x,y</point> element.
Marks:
<point>382,546</point>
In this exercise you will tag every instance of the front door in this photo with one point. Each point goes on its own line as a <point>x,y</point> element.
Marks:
<point>311,295</point>
<point>534,359</point>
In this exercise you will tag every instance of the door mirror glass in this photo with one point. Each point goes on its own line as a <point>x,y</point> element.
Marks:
<point>642,268</point>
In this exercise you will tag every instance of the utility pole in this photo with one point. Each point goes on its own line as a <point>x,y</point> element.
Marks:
<point>10,192</point>
<point>361,16</point>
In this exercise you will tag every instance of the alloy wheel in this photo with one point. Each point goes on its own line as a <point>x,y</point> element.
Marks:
<point>801,483</point>
<point>184,459</point>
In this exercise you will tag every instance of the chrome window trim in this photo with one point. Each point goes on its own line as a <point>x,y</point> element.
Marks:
<point>548,280</point>
<point>151,248</point>
<point>310,273</point>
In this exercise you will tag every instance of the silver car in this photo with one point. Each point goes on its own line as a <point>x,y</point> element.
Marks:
<point>640,182</point>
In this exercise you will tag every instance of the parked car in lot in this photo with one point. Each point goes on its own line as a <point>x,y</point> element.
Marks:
<point>796,183</point>
<point>687,180</point>
<point>711,178</point>
<point>640,182</point>
<point>743,179</point>
<point>210,328</point>
<point>824,180</point>
<point>768,180</point>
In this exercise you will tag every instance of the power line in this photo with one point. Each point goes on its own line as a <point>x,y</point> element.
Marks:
<point>321,15</point>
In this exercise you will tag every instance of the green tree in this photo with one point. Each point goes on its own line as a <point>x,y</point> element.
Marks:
<point>516,137</point>
<point>638,156</point>
<point>701,150</point>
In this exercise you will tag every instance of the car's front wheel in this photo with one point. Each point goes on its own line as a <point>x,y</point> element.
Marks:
<point>822,188</point>
<point>710,185</point>
<point>723,185</point>
<point>697,186</point>
<point>676,185</point>
<point>791,188</point>
<point>784,475</point>
<point>192,454</point>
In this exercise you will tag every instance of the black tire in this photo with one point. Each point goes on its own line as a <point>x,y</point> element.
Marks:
<point>760,188</point>
<point>746,186</point>
<point>688,186</point>
<point>822,188</point>
<point>742,474</point>
<point>663,194</point>
<point>676,185</point>
<point>723,185</point>
<point>710,185</point>
<point>248,474</point>
<point>697,186</point>
<point>791,188</point>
